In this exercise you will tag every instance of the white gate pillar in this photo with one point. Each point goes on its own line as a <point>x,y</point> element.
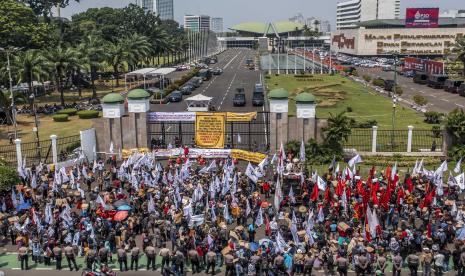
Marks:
<point>19,155</point>
<point>54,149</point>
<point>374,138</point>
<point>409,139</point>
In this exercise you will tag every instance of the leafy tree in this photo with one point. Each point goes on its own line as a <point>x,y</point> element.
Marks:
<point>459,50</point>
<point>8,177</point>
<point>419,100</point>
<point>432,117</point>
<point>62,63</point>
<point>5,104</point>
<point>107,22</point>
<point>454,123</point>
<point>20,27</point>
<point>338,130</point>
<point>93,53</point>
<point>28,66</point>
<point>367,78</point>
<point>44,7</point>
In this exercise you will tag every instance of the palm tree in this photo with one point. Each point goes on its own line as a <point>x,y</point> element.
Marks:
<point>29,66</point>
<point>62,63</point>
<point>137,47</point>
<point>459,50</point>
<point>338,129</point>
<point>93,53</point>
<point>116,55</point>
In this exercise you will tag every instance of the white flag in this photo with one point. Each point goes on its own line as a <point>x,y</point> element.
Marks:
<point>302,151</point>
<point>355,160</point>
<point>259,219</point>
<point>100,201</point>
<point>226,212</point>
<point>460,179</point>
<point>111,147</point>
<point>247,208</point>
<point>151,205</point>
<point>321,215</point>
<point>239,140</point>
<point>263,165</point>
<point>394,171</point>
<point>321,183</point>
<point>291,195</point>
<point>213,213</point>
<point>278,197</point>
<point>457,168</point>
<point>250,172</point>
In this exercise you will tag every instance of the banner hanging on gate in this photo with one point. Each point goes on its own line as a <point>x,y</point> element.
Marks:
<point>241,117</point>
<point>171,117</point>
<point>210,129</point>
<point>254,157</point>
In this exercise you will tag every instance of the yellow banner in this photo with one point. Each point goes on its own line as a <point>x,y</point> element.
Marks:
<point>210,129</point>
<point>254,157</point>
<point>241,117</point>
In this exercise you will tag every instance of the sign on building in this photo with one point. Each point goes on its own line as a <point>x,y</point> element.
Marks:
<point>422,18</point>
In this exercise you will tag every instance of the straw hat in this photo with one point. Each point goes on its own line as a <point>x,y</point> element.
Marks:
<point>302,209</point>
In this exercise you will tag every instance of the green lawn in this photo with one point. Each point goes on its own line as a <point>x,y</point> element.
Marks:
<point>336,94</point>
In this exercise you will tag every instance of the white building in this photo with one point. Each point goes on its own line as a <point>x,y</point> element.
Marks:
<point>216,25</point>
<point>196,22</point>
<point>325,27</point>
<point>387,36</point>
<point>453,13</point>
<point>350,12</point>
<point>298,18</point>
<point>147,5</point>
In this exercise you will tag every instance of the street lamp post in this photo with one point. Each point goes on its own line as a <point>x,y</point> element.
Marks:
<point>394,101</point>
<point>395,75</point>
<point>36,122</point>
<point>8,68</point>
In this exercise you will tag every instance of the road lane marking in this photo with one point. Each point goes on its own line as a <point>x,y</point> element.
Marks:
<point>445,100</point>
<point>459,105</point>
<point>227,90</point>
<point>226,66</point>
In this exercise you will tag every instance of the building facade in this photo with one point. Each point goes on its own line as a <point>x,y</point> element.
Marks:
<point>216,25</point>
<point>386,37</point>
<point>351,12</point>
<point>196,22</point>
<point>453,13</point>
<point>147,5</point>
<point>165,9</point>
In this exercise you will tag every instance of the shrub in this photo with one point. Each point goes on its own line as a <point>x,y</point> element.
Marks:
<point>60,118</point>
<point>367,124</point>
<point>354,73</point>
<point>349,109</point>
<point>436,131</point>
<point>398,90</point>
<point>8,178</point>
<point>419,100</point>
<point>88,114</point>
<point>432,117</point>
<point>68,111</point>
<point>378,82</point>
<point>367,78</point>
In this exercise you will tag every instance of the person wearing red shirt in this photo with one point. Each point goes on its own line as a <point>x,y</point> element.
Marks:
<point>266,189</point>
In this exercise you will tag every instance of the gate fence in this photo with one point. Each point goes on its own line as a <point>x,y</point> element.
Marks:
<point>361,139</point>
<point>34,153</point>
<point>253,135</point>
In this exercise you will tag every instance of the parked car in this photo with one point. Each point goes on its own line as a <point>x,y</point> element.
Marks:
<point>258,99</point>
<point>420,78</point>
<point>175,96</point>
<point>461,90</point>
<point>217,71</point>
<point>452,85</point>
<point>389,85</point>
<point>258,88</point>
<point>409,74</point>
<point>437,81</point>
<point>205,74</point>
<point>186,89</point>
<point>239,99</point>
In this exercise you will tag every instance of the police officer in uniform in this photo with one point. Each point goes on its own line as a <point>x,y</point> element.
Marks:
<point>308,264</point>
<point>342,264</point>
<point>396,264</point>
<point>211,261</point>
<point>413,261</point>
<point>229,262</point>
<point>135,251</point>
<point>150,252</point>
<point>58,253</point>
<point>122,258</point>
<point>165,257</point>
<point>90,258</point>
<point>103,255</point>
<point>194,259</point>
<point>69,253</point>
<point>23,257</point>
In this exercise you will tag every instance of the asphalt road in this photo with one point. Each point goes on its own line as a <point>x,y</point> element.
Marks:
<point>223,87</point>
<point>438,99</point>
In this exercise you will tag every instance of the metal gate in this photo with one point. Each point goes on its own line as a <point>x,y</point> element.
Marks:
<point>252,136</point>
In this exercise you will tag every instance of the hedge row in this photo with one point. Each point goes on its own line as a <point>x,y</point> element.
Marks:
<point>178,83</point>
<point>68,111</point>
<point>88,114</point>
<point>61,117</point>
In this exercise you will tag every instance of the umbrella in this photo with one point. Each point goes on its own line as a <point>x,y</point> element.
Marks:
<point>108,207</point>
<point>23,206</point>
<point>265,204</point>
<point>120,202</point>
<point>124,208</point>
<point>120,215</point>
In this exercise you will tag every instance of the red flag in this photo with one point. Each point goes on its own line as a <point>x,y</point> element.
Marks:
<point>429,230</point>
<point>328,195</point>
<point>428,199</point>
<point>388,174</point>
<point>267,226</point>
<point>400,195</point>
<point>367,229</point>
<point>339,188</point>
<point>409,183</point>
<point>314,195</point>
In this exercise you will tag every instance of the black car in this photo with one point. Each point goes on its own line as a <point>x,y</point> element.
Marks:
<point>452,85</point>
<point>437,81</point>
<point>420,78</point>
<point>239,99</point>
<point>258,99</point>
<point>217,71</point>
<point>461,90</point>
<point>175,96</point>
<point>389,85</point>
<point>186,89</point>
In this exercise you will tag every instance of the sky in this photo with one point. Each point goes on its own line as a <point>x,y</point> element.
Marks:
<point>238,11</point>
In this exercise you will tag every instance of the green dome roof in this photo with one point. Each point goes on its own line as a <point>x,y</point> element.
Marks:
<point>278,93</point>
<point>137,94</point>
<point>305,97</point>
<point>112,98</point>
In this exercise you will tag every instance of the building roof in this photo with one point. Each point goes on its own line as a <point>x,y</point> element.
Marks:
<point>444,22</point>
<point>305,97</point>
<point>267,28</point>
<point>137,94</point>
<point>278,93</point>
<point>112,98</point>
